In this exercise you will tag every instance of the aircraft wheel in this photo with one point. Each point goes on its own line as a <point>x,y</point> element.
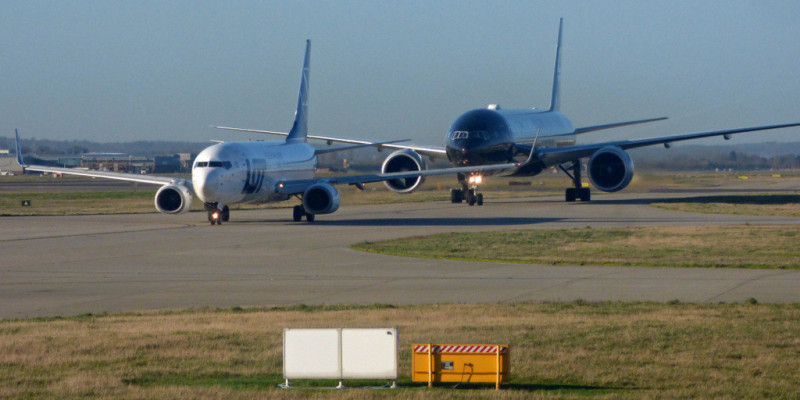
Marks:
<point>479,199</point>
<point>470,197</point>
<point>297,213</point>
<point>570,195</point>
<point>226,213</point>
<point>585,194</point>
<point>212,219</point>
<point>310,217</point>
<point>456,196</point>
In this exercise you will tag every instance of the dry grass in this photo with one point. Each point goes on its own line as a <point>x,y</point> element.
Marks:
<point>676,246</point>
<point>126,200</point>
<point>559,350</point>
<point>778,205</point>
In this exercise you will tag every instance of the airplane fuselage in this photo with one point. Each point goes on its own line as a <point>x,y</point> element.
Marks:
<point>493,136</point>
<point>247,172</point>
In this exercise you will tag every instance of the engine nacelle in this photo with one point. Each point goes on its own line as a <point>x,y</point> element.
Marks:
<point>610,169</point>
<point>403,161</point>
<point>321,198</point>
<point>173,199</point>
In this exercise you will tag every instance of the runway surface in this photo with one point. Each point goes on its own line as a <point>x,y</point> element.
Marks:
<point>53,266</point>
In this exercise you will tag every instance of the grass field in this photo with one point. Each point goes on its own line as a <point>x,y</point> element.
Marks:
<point>558,350</point>
<point>739,246</point>
<point>139,199</point>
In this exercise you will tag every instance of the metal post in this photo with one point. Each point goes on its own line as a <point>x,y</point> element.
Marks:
<point>430,365</point>
<point>497,384</point>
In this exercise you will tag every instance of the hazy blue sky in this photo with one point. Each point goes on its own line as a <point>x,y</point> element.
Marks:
<point>130,70</point>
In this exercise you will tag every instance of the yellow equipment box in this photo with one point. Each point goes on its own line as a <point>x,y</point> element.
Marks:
<point>464,363</point>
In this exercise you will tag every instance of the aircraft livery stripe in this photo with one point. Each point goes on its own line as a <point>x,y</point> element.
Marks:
<point>423,348</point>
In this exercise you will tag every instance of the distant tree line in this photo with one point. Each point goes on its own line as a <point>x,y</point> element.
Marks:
<point>750,156</point>
<point>44,147</point>
<point>733,160</point>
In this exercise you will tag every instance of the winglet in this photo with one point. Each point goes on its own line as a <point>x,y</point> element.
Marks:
<point>299,130</point>
<point>555,99</point>
<point>19,152</point>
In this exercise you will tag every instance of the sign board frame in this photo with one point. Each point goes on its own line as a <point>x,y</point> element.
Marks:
<point>340,353</point>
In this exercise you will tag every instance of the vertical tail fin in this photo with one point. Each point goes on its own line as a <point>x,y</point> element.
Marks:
<point>300,128</point>
<point>555,99</point>
<point>19,152</point>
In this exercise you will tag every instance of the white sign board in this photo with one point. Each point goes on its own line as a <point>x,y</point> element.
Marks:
<point>311,354</point>
<point>340,353</point>
<point>369,353</point>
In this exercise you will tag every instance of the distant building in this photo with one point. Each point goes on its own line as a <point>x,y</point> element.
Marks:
<point>113,162</point>
<point>167,164</point>
<point>187,159</point>
<point>8,163</point>
<point>116,162</point>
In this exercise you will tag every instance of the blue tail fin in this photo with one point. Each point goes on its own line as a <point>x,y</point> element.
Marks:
<point>19,152</point>
<point>300,128</point>
<point>555,99</point>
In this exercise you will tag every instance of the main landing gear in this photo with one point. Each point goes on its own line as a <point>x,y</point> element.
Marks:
<point>468,191</point>
<point>577,192</point>
<point>299,212</point>
<point>216,215</point>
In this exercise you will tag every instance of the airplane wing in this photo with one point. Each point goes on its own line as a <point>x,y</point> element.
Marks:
<point>299,186</point>
<point>615,125</point>
<point>148,179</point>
<point>430,151</point>
<point>551,156</point>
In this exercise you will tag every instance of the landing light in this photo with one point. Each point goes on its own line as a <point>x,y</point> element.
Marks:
<point>476,179</point>
<point>215,216</point>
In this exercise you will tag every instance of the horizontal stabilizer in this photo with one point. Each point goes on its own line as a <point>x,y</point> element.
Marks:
<point>357,146</point>
<point>426,150</point>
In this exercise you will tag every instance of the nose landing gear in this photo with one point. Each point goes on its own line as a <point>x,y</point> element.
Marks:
<point>216,215</point>
<point>468,191</point>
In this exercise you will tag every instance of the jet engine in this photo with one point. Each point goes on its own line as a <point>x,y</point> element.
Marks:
<point>610,169</point>
<point>321,198</point>
<point>403,161</point>
<point>173,199</point>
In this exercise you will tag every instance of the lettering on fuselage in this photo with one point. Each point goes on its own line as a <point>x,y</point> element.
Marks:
<point>255,176</point>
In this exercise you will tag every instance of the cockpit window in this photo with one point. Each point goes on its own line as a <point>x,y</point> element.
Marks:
<point>470,135</point>
<point>213,164</point>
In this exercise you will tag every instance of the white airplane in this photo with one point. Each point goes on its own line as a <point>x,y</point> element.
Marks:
<point>528,141</point>
<point>259,172</point>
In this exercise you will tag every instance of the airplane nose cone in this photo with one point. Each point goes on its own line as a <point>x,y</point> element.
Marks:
<point>208,192</point>
<point>459,146</point>
<point>206,188</point>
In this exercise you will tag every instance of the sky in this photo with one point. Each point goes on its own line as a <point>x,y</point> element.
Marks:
<point>167,70</point>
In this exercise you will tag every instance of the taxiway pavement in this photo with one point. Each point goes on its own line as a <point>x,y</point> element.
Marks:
<point>69,265</point>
